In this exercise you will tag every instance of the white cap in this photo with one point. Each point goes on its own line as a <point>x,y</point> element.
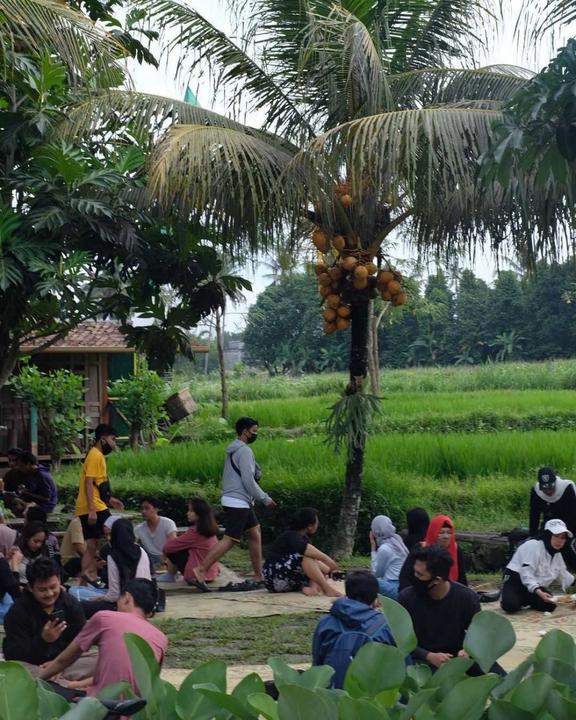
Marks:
<point>557,527</point>
<point>111,520</point>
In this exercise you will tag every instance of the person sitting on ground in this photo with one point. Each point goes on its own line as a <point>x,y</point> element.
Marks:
<point>34,513</point>
<point>535,565</point>
<point>39,486</point>
<point>352,622</point>
<point>106,630</point>
<point>32,543</point>
<point>294,564</point>
<point>11,483</point>
<point>73,547</point>
<point>441,609</point>
<point>440,532</point>
<point>8,537</point>
<point>43,621</point>
<point>388,554</point>
<point>240,490</point>
<point>154,532</point>
<point>190,549</point>
<point>417,522</point>
<point>127,560</point>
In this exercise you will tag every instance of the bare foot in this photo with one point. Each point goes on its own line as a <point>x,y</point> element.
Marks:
<point>331,591</point>
<point>310,591</point>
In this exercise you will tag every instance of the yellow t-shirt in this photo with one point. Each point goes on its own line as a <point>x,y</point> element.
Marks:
<point>94,467</point>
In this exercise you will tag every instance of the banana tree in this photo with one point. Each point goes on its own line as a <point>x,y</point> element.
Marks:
<point>367,128</point>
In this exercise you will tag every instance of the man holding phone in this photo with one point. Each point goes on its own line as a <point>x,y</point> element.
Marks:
<point>94,496</point>
<point>43,620</point>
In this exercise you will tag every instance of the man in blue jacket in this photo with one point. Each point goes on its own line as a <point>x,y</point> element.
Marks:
<point>352,622</point>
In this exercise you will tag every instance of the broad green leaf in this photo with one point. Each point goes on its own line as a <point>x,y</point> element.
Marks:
<point>209,673</point>
<point>449,674</point>
<point>298,703</point>
<point>191,703</point>
<point>376,667</point>
<point>556,644</point>
<point>417,676</point>
<point>283,673</point>
<point>114,691</point>
<point>400,624</point>
<point>467,700</point>
<point>318,676</point>
<point>513,678</point>
<point>424,697</point>
<point>86,709</point>
<point>264,705</point>
<point>560,707</point>
<point>387,698</point>
<point>504,710</point>
<point>144,664</point>
<point>488,638</point>
<point>228,702</point>
<point>532,692</point>
<point>50,704</point>
<point>358,709</point>
<point>18,697</point>
<point>562,672</point>
<point>166,706</point>
<point>250,685</point>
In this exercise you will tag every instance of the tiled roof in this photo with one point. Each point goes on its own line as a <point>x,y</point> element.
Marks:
<point>89,336</point>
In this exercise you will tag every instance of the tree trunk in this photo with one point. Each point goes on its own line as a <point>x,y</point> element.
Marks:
<point>352,494</point>
<point>221,366</point>
<point>373,356</point>
<point>8,360</point>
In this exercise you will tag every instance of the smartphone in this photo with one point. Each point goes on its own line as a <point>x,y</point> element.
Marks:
<point>58,616</point>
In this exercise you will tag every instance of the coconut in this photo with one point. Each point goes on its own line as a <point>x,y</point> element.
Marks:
<point>371,267</point>
<point>320,268</point>
<point>336,273</point>
<point>360,283</point>
<point>349,263</point>
<point>344,311</point>
<point>394,287</point>
<point>386,295</point>
<point>360,271</point>
<point>342,324</point>
<point>330,315</point>
<point>324,279</point>
<point>346,200</point>
<point>325,290</point>
<point>339,242</point>
<point>333,300</point>
<point>319,239</point>
<point>384,277</point>
<point>329,328</point>
<point>399,298</point>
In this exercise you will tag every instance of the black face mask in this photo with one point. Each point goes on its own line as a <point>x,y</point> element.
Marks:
<point>252,439</point>
<point>106,448</point>
<point>421,586</point>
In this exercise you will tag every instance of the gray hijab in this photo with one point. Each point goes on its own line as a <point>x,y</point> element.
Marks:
<point>385,534</point>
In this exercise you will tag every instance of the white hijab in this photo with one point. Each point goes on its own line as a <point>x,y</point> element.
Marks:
<point>559,490</point>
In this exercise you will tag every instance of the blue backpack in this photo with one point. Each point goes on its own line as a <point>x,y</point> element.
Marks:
<point>346,647</point>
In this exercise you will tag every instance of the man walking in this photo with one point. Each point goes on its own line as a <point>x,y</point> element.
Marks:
<point>240,490</point>
<point>94,496</point>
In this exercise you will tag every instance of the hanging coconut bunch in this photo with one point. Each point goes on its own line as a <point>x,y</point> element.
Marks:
<point>390,287</point>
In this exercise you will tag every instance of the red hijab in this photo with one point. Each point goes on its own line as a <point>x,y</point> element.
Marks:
<point>436,524</point>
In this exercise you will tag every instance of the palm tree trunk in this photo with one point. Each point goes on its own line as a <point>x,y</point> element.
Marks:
<point>373,357</point>
<point>352,494</point>
<point>221,366</point>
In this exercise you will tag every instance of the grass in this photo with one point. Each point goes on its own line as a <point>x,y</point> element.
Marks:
<point>552,375</point>
<point>239,641</point>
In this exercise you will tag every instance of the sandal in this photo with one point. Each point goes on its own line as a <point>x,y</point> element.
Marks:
<point>199,585</point>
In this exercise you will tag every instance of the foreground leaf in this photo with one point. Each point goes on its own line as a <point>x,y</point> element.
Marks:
<point>488,638</point>
<point>400,624</point>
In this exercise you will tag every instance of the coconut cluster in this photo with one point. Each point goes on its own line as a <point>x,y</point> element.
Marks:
<point>352,272</point>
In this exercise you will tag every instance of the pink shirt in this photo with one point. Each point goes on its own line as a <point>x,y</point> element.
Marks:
<point>106,629</point>
<point>198,546</point>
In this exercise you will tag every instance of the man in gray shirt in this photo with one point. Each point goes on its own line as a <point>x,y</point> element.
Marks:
<point>240,490</point>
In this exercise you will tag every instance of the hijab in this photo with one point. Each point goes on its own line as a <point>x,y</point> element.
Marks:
<point>124,550</point>
<point>385,534</point>
<point>559,490</point>
<point>436,524</point>
<point>417,521</point>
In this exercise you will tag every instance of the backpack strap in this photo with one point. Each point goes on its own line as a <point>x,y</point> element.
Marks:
<point>234,466</point>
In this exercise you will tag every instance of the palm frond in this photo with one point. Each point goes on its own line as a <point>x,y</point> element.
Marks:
<point>80,44</point>
<point>437,86</point>
<point>538,18</point>
<point>223,175</point>
<point>197,44</point>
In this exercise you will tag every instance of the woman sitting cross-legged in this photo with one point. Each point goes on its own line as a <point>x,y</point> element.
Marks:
<point>126,561</point>
<point>293,563</point>
<point>184,553</point>
<point>388,555</point>
<point>535,565</point>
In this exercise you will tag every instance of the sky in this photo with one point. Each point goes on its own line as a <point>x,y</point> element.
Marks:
<point>504,49</point>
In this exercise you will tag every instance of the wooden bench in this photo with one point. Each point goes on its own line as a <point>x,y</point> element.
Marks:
<point>478,538</point>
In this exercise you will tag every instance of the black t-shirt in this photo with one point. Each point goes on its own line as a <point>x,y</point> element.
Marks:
<point>564,509</point>
<point>290,542</point>
<point>12,480</point>
<point>440,625</point>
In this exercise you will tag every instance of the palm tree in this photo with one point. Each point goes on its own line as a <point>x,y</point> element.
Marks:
<point>368,127</point>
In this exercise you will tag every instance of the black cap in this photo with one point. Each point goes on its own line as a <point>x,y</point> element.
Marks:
<point>546,478</point>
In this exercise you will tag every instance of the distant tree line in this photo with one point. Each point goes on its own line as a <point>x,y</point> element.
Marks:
<point>461,320</point>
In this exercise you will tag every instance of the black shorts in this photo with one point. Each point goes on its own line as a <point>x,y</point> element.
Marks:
<point>237,521</point>
<point>96,531</point>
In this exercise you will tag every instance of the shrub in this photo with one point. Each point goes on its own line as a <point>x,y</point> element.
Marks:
<point>140,399</point>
